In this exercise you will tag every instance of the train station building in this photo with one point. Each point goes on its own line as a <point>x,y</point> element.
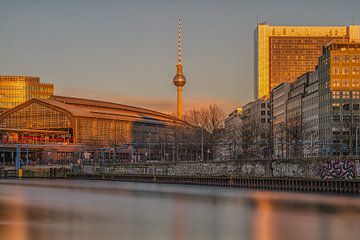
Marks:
<point>74,121</point>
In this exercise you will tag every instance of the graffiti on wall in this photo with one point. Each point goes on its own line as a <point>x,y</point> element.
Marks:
<point>253,169</point>
<point>338,169</point>
<point>357,164</point>
<point>314,169</point>
<point>287,169</point>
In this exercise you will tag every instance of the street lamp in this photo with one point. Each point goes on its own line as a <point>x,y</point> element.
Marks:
<point>202,144</point>
<point>356,141</point>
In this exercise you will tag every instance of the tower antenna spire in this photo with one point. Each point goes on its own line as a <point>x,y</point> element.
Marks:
<point>179,41</point>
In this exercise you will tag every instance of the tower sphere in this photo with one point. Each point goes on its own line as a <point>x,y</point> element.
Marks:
<point>179,80</point>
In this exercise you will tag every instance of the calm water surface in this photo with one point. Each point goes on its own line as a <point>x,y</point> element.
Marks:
<point>76,209</point>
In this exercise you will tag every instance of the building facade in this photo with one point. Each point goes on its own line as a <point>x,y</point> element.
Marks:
<point>282,53</point>
<point>339,98</point>
<point>18,89</point>
<point>256,129</point>
<point>310,116</point>
<point>278,107</point>
<point>61,122</point>
<point>82,121</point>
<point>295,128</point>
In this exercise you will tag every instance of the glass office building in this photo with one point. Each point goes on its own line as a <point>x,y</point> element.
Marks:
<point>18,89</point>
<point>283,53</point>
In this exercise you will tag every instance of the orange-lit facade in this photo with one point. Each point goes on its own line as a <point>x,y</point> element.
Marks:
<point>282,53</point>
<point>339,98</point>
<point>61,119</point>
<point>18,89</point>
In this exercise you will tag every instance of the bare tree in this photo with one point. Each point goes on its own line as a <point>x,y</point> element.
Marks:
<point>233,141</point>
<point>351,124</point>
<point>210,118</point>
<point>253,137</point>
<point>294,130</point>
<point>210,124</point>
<point>310,140</point>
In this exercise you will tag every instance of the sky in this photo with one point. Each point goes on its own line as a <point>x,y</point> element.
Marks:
<point>126,51</point>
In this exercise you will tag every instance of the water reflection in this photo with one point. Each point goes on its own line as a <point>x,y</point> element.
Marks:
<point>35,209</point>
<point>263,219</point>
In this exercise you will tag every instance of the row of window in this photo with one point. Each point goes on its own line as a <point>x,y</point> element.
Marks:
<point>346,106</point>
<point>345,70</point>
<point>345,82</point>
<point>8,104</point>
<point>39,96</point>
<point>39,89</point>
<point>11,88</point>
<point>346,119</point>
<point>346,58</point>
<point>345,94</point>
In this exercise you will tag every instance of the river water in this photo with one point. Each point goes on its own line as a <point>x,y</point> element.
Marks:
<point>79,209</point>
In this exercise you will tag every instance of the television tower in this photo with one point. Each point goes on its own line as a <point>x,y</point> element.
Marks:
<point>179,79</point>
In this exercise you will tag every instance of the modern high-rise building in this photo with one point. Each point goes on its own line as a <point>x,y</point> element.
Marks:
<point>282,53</point>
<point>18,89</point>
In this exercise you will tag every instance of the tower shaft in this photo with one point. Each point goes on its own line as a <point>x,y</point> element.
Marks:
<point>179,102</point>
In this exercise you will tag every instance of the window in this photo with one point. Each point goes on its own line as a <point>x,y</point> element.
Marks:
<point>262,105</point>
<point>335,106</point>
<point>346,58</point>
<point>336,58</point>
<point>356,70</point>
<point>346,82</point>
<point>356,58</point>
<point>356,82</point>
<point>336,71</point>
<point>262,113</point>
<point>356,106</point>
<point>336,83</point>
<point>346,95</point>
<point>356,94</point>
<point>263,120</point>
<point>335,95</point>
<point>346,106</point>
<point>336,118</point>
<point>345,71</point>
<point>336,132</point>
<point>347,118</point>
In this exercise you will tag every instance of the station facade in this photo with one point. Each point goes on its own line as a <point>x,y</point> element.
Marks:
<point>83,122</point>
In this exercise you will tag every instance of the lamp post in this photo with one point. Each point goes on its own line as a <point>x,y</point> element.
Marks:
<point>356,141</point>
<point>202,144</point>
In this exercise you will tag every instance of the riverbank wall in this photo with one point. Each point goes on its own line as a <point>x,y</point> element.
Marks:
<point>318,174</point>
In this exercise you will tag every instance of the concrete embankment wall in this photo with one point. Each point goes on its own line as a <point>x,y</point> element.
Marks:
<point>329,168</point>
<point>335,175</point>
<point>342,169</point>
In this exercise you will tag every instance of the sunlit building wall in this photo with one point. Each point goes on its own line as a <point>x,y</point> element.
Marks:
<point>339,98</point>
<point>18,89</point>
<point>61,119</point>
<point>282,53</point>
